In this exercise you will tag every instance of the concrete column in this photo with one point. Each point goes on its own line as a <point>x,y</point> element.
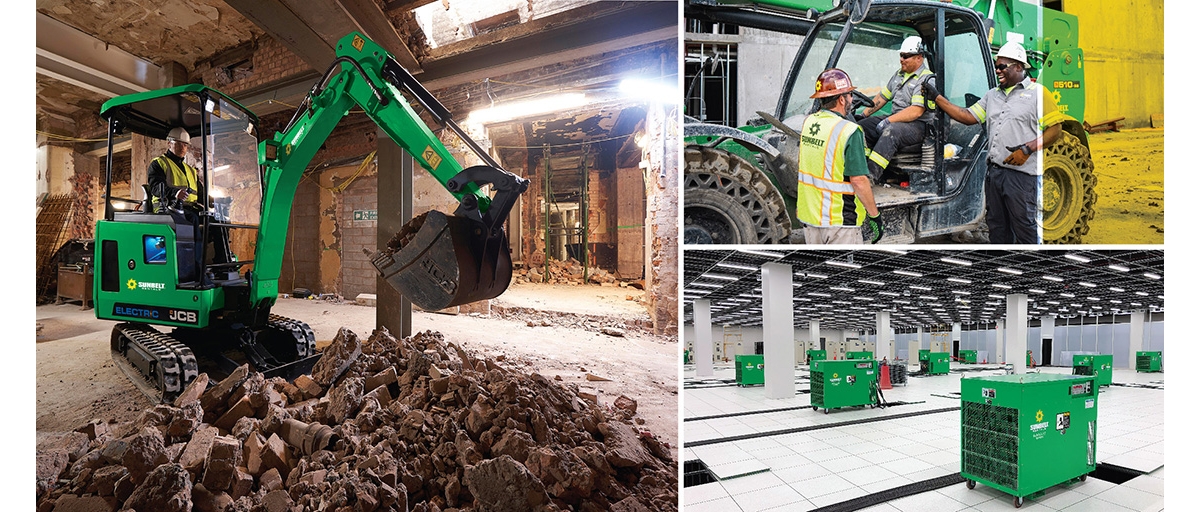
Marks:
<point>814,333</point>
<point>1000,352</point>
<point>704,344</point>
<point>779,349</point>
<point>883,329</point>
<point>394,204</point>
<point>1016,319</point>
<point>1137,322</point>
<point>956,335</point>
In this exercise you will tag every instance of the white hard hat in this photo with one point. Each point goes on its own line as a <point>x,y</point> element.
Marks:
<point>1014,51</point>
<point>180,135</point>
<point>911,44</point>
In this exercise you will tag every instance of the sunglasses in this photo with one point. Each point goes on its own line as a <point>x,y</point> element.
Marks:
<point>908,55</point>
<point>1002,67</point>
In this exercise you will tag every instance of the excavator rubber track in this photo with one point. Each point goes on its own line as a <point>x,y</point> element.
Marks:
<point>305,339</point>
<point>157,364</point>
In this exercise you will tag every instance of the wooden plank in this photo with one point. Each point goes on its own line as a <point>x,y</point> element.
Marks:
<point>631,215</point>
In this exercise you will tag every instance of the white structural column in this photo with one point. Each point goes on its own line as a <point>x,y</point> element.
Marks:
<point>779,347</point>
<point>1137,324</point>
<point>1016,321</point>
<point>956,335</point>
<point>704,334</point>
<point>1001,354</point>
<point>883,330</point>
<point>814,333</point>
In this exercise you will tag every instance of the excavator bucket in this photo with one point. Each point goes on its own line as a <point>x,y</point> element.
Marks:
<point>438,261</point>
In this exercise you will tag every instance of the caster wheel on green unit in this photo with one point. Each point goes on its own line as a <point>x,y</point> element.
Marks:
<point>826,411</point>
<point>1018,501</point>
<point>1083,478</point>
<point>814,407</point>
<point>970,484</point>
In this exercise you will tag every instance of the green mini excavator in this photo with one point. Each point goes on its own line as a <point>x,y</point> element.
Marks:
<point>157,265</point>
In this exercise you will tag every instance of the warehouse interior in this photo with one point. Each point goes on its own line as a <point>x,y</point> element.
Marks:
<point>758,435</point>
<point>575,96</point>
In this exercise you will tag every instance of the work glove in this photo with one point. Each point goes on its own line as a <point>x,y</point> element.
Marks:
<point>875,225</point>
<point>931,90</point>
<point>1019,155</point>
<point>883,125</point>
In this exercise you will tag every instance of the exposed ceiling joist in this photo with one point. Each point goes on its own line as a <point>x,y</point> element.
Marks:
<point>74,57</point>
<point>406,5</point>
<point>574,34</point>
<point>372,22</point>
<point>294,33</point>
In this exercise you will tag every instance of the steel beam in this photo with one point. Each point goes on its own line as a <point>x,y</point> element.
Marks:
<point>74,57</point>
<point>294,33</point>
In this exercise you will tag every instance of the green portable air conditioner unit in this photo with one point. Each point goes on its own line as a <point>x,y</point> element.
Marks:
<point>1023,434</point>
<point>844,383</point>
<point>1099,365</point>
<point>860,354</point>
<point>815,355</point>
<point>749,369</point>
<point>1149,361</point>
<point>968,356</point>
<point>938,364</point>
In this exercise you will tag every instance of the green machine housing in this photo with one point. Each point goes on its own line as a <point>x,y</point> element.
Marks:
<point>687,356</point>
<point>748,369</point>
<point>860,354</point>
<point>934,363</point>
<point>1149,361</point>
<point>815,355</point>
<point>844,383</point>
<point>968,356</point>
<point>1099,365</point>
<point>923,355</point>
<point>1023,434</point>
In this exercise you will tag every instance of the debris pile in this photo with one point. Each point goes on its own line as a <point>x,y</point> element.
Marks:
<point>565,272</point>
<point>413,424</point>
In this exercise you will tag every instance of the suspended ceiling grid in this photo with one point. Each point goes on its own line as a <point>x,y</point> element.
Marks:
<point>845,289</point>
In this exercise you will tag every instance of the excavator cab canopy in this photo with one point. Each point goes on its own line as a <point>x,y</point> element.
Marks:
<point>221,129</point>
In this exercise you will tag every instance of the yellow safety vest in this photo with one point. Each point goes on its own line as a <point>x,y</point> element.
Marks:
<point>177,177</point>
<point>824,196</point>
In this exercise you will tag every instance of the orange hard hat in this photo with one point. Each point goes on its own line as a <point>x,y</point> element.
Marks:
<point>832,82</point>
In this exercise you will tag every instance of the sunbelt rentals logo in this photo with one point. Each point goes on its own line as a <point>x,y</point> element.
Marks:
<point>134,285</point>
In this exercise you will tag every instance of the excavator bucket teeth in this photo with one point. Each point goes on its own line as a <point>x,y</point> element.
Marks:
<point>439,261</point>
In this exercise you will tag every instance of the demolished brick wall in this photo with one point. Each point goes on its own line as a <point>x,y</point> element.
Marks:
<point>414,424</point>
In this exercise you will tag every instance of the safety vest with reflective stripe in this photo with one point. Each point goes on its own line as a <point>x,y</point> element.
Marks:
<point>185,177</point>
<point>824,196</point>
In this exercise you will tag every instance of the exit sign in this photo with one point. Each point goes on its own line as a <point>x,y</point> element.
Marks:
<point>366,215</point>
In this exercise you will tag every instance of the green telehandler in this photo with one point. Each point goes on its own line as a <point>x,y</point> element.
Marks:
<point>158,265</point>
<point>740,183</point>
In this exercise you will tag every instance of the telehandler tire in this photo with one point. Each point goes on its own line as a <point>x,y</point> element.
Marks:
<point>1068,191</point>
<point>727,200</point>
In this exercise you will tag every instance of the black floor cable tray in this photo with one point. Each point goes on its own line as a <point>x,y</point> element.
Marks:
<point>894,493</point>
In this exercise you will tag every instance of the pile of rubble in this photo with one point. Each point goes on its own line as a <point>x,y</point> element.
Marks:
<point>565,272</point>
<point>414,424</point>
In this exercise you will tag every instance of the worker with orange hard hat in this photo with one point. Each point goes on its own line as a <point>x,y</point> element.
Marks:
<point>833,197</point>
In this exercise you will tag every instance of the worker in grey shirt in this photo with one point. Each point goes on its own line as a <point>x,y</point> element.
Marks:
<point>911,110</point>
<point>1022,118</point>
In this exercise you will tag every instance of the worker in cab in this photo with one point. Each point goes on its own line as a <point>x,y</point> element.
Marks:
<point>911,113</point>
<point>1022,118</point>
<point>171,178</point>
<point>834,197</point>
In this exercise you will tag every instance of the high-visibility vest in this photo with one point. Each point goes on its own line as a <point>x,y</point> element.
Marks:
<point>824,195</point>
<point>177,177</point>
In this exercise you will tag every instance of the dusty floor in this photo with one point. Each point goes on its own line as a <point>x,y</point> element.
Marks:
<point>77,381</point>
<point>1129,168</point>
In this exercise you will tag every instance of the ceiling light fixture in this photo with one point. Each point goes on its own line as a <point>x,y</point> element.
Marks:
<point>907,273</point>
<point>1053,278</point>
<point>1152,276</point>
<point>956,261</point>
<point>844,264</point>
<point>868,281</point>
<point>1007,270</point>
<point>723,277</point>
<point>958,280</point>
<point>736,266</point>
<point>1087,284</point>
<point>1119,268</point>
<point>1077,257</point>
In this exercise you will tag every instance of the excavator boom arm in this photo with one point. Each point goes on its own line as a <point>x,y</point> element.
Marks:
<point>365,76</point>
